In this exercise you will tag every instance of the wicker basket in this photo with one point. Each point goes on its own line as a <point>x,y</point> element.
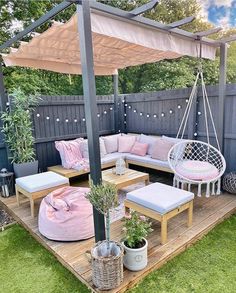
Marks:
<point>229,182</point>
<point>107,271</point>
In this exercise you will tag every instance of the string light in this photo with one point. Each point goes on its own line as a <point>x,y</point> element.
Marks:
<point>67,120</point>
<point>155,115</point>
<point>98,115</point>
<point>186,100</point>
<point>105,112</point>
<point>125,114</point>
<point>57,119</point>
<point>171,111</point>
<point>148,115</point>
<point>129,107</point>
<point>162,114</point>
<point>47,118</point>
<point>195,134</point>
<point>126,105</point>
<point>135,110</point>
<point>7,103</point>
<point>111,109</point>
<point>199,113</point>
<point>38,115</point>
<point>75,120</point>
<point>179,106</point>
<point>83,119</point>
<point>141,114</point>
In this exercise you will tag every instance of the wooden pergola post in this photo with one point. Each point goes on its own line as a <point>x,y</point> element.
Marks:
<point>222,89</point>
<point>90,103</point>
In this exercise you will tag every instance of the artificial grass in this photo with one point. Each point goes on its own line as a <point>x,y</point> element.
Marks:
<point>207,267</point>
<point>26,266</point>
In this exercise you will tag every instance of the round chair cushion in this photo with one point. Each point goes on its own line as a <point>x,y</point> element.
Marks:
<point>197,170</point>
<point>66,215</point>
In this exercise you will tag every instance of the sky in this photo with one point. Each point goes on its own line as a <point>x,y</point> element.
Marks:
<point>220,12</point>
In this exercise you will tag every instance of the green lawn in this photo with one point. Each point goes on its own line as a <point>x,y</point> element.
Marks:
<point>208,266</point>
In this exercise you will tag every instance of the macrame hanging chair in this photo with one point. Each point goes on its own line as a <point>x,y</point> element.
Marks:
<point>196,162</point>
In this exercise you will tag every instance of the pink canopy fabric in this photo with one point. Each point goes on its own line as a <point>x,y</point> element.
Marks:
<point>116,44</point>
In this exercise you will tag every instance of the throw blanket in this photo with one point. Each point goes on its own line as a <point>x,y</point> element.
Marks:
<point>71,156</point>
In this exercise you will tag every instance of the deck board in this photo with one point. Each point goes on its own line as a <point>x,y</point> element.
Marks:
<point>208,212</point>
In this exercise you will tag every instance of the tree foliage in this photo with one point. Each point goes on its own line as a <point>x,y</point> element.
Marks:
<point>166,74</point>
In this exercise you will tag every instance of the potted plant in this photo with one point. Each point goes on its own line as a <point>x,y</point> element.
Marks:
<point>136,229</point>
<point>107,255</point>
<point>17,129</point>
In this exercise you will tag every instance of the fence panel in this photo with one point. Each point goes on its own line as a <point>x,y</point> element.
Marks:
<point>63,118</point>
<point>161,113</point>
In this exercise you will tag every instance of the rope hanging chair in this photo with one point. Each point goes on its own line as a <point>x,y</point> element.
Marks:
<point>195,162</point>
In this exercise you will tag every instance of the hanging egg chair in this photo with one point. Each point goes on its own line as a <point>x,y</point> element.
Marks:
<point>196,162</point>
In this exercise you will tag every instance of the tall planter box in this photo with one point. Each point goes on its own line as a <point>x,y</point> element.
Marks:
<point>26,169</point>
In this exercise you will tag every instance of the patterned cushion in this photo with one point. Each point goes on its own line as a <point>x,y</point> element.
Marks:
<point>197,170</point>
<point>161,149</point>
<point>149,140</point>
<point>111,143</point>
<point>139,149</point>
<point>125,143</point>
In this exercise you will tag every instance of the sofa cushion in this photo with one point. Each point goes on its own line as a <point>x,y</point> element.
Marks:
<point>161,149</point>
<point>125,143</point>
<point>111,143</point>
<point>149,140</point>
<point>148,160</point>
<point>112,157</point>
<point>160,197</point>
<point>41,181</point>
<point>139,148</point>
<point>197,170</point>
<point>85,152</point>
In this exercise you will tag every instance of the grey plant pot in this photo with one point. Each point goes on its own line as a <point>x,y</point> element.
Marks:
<point>25,169</point>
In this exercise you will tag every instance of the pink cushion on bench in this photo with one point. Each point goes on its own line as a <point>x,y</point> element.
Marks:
<point>66,215</point>
<point>125,143</point>
<point>139,149</point>
<point>197,170</point>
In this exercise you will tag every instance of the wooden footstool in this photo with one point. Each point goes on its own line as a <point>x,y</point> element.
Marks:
<point>38,185</point>
<point>161,202</point>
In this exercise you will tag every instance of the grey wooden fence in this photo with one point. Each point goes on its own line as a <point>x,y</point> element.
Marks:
<point>161,113</point>
<point>62,117</point>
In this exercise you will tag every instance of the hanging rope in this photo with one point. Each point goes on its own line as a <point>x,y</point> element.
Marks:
<point>206,105</point>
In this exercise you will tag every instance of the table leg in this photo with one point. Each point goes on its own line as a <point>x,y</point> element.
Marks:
<point>163,229</point>
<point>190,214</point>
<point>32,207</point>
<point>17,196</point>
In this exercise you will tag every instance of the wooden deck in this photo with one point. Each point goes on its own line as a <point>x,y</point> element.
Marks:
<point>207,213</point>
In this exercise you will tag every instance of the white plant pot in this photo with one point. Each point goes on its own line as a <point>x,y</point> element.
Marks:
<point>135,259</point>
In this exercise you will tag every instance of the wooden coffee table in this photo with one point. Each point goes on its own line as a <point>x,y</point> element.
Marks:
<point>120,181</point>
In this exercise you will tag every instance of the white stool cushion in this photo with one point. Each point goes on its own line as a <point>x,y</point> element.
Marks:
<point>41,181</point>
<point>160,197</point>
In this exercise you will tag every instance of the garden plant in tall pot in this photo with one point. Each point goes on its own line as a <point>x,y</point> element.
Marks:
<point>136,229</point>
<point>17,130</point>
<point>107,255</point>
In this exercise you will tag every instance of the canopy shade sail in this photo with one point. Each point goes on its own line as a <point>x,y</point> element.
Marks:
<point>116,44</point>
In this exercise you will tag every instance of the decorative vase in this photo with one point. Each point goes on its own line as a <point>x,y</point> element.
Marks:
<point>135,259</point>
<point>25,169</point>
<point>107,264</point>
<point>120,166</point>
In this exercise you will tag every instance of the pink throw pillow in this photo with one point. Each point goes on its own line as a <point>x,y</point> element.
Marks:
<point>139,149</point>
<point>161,149</point>
<point>125,143</point>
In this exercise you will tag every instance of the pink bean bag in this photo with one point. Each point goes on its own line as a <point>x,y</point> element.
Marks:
<point>66,215</point>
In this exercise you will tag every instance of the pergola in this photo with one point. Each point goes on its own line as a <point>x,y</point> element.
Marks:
<point>99,40</point>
